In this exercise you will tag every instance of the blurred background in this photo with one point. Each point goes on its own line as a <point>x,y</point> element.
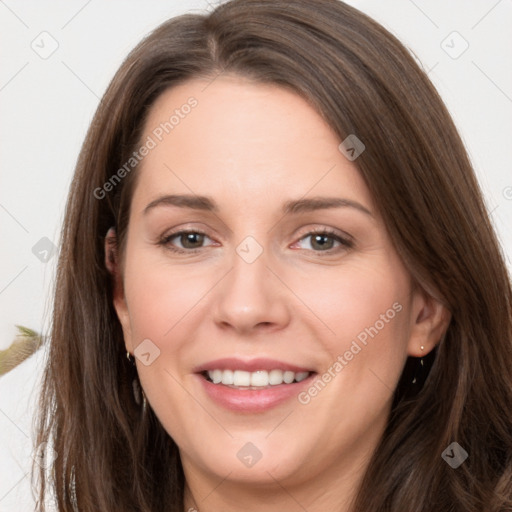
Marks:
<point>57,59</point>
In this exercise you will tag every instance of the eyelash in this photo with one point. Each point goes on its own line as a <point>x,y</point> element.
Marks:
<point>346,243</point>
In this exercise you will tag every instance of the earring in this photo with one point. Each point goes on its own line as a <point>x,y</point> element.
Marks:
<point>421,367</point>
<point>138,392</point>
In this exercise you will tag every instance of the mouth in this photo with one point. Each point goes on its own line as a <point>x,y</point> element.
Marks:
<point>260,379</point>
<point>253,386</point>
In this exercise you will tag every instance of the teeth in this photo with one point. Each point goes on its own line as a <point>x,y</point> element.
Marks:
<point>241,378</point>
<point>275,377</point>
<point>227,377</point>
<point>288,377</point>
<point>258,379</point>
<point>301,376</point>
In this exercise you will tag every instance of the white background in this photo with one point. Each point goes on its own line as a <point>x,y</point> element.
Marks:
<point>46,106</point>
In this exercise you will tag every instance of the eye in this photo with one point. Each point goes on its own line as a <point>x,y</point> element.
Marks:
<point>323,240</point>
<point>190,241</point>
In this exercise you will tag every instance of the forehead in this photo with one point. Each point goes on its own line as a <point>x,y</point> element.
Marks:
<point>249,139</point>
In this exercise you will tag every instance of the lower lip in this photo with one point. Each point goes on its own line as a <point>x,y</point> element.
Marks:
<point>251,400</point>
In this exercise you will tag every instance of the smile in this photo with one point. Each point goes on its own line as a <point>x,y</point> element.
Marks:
<point>259,379</point>
<point>252,386</point>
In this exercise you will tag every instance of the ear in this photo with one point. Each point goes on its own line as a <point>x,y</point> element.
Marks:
<point>113,266</point>
<point>430,320</point>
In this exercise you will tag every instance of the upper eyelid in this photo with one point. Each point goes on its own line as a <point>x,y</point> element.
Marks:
<point>321,229</point>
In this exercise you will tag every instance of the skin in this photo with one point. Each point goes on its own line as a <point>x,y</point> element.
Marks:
<point>252,147</point>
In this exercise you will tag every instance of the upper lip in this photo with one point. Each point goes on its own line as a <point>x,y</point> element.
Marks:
<point>249,365</point>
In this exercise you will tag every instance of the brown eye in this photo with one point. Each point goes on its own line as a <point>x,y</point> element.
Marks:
<point>325,240</point>
<point>184,241</point>
<point>322,241</point>
<point>191,240</point>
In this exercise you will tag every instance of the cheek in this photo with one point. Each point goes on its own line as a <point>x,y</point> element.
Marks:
<point>365,307</point>
<point>159,297</point>
<point>358,299</point>
<point>162,302</point>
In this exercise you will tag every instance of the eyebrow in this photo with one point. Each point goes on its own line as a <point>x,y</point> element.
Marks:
<point>295,206</point>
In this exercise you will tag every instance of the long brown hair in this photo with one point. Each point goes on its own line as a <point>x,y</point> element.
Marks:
<point>110,455</point>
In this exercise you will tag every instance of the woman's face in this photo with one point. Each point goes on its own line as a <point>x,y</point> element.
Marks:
<point>257,284</point>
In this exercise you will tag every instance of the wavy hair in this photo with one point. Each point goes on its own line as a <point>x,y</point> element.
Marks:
<point>111,455</point>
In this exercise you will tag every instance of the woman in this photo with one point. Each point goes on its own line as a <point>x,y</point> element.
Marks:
<point>279,288</point>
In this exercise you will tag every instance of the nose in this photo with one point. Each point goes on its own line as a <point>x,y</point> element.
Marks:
<point>251,298</point>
